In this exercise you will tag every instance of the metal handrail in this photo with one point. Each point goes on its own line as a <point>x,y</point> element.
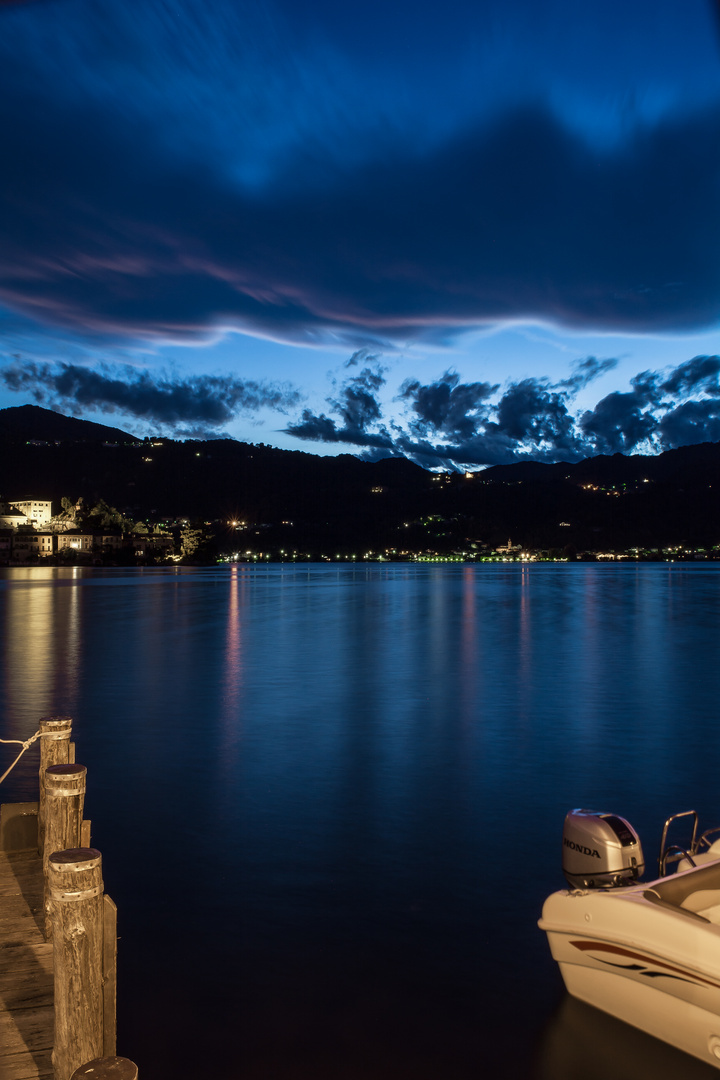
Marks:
<point>703,841</point>
<point>674,854</point>
<point>692,850</point>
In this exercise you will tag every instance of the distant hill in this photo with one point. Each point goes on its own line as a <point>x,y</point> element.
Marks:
<point>33,422</point>
<point>616,468</point>
<point>298,501</point>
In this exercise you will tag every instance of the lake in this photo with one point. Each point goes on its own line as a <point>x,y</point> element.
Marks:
<point>330,798</point>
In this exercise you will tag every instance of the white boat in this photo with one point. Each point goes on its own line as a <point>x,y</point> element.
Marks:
<point>647,953</point>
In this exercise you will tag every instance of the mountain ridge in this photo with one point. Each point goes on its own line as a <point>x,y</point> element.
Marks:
<point>342,504</point>
<point>35,422</point>
<point>28,422</point>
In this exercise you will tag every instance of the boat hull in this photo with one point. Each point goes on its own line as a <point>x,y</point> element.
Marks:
<point>644,957</point>
<point>687,1026</point>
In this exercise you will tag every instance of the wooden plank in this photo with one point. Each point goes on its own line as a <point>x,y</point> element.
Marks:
<point>26,971</point>
<point>22,888</point>
<point>21,881</point>
<point>18,859</point>
<point>18,826</point>
<point>22,961</point>
<point>27,1067</point>
<point>31,973</point>
<point>15,914</point>
<point>28,995</point>
<point>20,933</point>
<point>16,898</point>
<point>16,906</point>
<point>27,1029</point>
<point>18,865</point>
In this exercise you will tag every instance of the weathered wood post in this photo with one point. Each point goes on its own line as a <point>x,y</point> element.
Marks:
<point>64,800</point>
<point>107,1068</point>
<point>54,750</point>
<point>76,904</point>
<point>109,977</point>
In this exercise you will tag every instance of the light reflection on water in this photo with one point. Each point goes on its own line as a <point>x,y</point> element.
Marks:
<point>41,643</point>
<point>342,790</point>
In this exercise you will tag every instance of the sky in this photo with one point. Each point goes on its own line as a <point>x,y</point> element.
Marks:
<point>464,232</point>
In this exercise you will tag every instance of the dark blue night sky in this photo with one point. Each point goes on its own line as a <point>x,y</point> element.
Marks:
<point>463,232</point>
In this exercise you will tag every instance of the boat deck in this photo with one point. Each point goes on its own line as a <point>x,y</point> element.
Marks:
<point>26,972</point>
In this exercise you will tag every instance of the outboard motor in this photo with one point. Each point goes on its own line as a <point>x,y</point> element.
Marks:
<point>600,851</point>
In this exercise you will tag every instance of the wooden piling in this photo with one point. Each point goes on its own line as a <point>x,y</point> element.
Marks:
<point>78,970</point>
<point>64,801</point>
<point>107,1068</point>
<point>109,974</point>
<point>54,750</point>
<point>76,903</point>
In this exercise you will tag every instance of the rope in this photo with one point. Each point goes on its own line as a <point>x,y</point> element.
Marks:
<point>25,746</point>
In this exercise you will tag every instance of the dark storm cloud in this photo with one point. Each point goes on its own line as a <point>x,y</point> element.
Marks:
<point>205,401</point>
<point>357,402</point>
<point>321,428</point>
<point>618,423</point>
<point>453,424</point>
<point>531,413</point>
<point>699,374</point>
<point>105,228</point>
<point>691,422</point>
<point>447,406</point>
<point>359,409</point>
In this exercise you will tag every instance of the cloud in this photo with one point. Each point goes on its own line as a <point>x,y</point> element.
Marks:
<point>203,402</point>
<point>356,402</point>
<point>699,374</point>
<point>656,413</point>
<point>530,416</point>
<point>690,422</point>
<point>447,406</point>
<point>361,356</point>
<point>107,228</point>
<point>530,412</point>
<point>618,423</point>
<point>586,371</point>
<point>452,424</point>
<point>321,428</point>
<point>359,409</point>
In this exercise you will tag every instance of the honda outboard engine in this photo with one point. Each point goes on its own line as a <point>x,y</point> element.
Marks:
<point>600,851</point>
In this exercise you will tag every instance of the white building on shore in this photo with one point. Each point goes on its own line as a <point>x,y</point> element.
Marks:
<point>34,512</point>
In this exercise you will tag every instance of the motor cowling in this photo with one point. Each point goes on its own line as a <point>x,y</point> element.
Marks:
<point>600,851</point>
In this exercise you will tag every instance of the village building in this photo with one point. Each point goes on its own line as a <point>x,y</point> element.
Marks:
<point>38,512</point>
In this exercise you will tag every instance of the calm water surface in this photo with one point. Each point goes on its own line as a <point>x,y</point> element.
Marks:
<point>329,799</point>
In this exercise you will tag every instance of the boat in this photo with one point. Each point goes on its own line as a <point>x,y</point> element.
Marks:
<point>647,953</point>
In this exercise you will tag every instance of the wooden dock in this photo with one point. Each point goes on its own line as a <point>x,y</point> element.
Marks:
<point>26,971</point>
<point>58,931</point>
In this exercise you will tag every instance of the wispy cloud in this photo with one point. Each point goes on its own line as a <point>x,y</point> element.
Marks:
<point>104,228</point>
<point>197,403</point>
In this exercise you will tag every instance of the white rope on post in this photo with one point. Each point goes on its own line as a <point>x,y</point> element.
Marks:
<point>25,746</point>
